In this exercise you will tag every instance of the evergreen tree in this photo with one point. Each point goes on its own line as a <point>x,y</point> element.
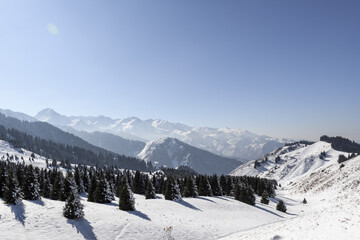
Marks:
<point>79,181</point>
<point>190,189</point>
<point>102,192</point>
<point>215,186</point>
<point>304,201</point>
<point>244,193</point>
<point>172,191</point>
<point>2,181</point>
<point>68,184</point>
<point>30,186</point>
<point>12,194</point>
<point>56,191</point>
<point>126,198</point>
<point>224,185</point>
<point>92,188</point>
<point>150,191</point>
<point>264,197</point>
<point>281,206</point>
<point>73,207</point>
<point>138,184</point>
<point>204,186</point>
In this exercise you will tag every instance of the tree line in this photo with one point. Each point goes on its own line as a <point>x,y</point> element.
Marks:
<point>100,185</point>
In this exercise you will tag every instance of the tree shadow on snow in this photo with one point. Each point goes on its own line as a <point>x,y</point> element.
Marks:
<point>112,204</point>
<point>222,198</point>
<point>19,212</point>
<point>83,227</point>
<point>188,205</point>
<point>38,202</point>
<point>139,214</point>
<point>202,198</point>
<point>268,211</point>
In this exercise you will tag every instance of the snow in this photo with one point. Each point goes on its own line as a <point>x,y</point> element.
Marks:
<point>332,211</point>
<point>234,143</point>
<point>193,218</point>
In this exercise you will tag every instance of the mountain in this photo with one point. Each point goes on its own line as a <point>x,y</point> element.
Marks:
<point>291,162</point>
<point>49,141</point>
<point>233,143</point>
<point>17,115</point>
<point>173,153</point>
<point>110,142</point>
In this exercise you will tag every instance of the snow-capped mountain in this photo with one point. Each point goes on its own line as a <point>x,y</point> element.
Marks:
<point>17,115</point>
<point>233,143</point>
<point>173,153</point>
<point>291,162</point>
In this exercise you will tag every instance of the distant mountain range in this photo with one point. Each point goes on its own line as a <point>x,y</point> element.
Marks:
<point>172,153</point>
<point>233,143</point>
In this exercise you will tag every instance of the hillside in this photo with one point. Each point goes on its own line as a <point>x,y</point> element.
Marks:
<point>294,161</point>
<point>110,142</point>
<point>173,153</point>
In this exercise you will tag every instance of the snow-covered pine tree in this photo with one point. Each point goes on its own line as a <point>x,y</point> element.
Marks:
<point>126,198</point>
<point>215,186</point>
<point>223,185</point>
<point>281,206</point>
<point>138,184</point>
<point>45,186</point>
<point>30,186</point>
<point>73,208</point>
<point>172,191</point>
<point>204,186</point>
<point>150,191</point>
<point>57,189</point>
<point>68,184</point>
<point>244,193</point>
<point>79,181</point>
<point>12,193</point>
<point>92,188</point>
<point>190,189</point>
<point>102,192</point>
<point>2,181</point>
<point>264,197</point>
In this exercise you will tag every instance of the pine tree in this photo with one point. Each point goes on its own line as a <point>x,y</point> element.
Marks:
<point>138,184</point>
<point>150,191</point>
<point>78,180</point>
<point>172,191</point>
<point>190,189</point>
<point>244,193</point>
<point>92,188</point>
<point>281,206</point>
<point>126,198</point>
<point>224,185</point>
<point>304,201</point>
<point>204,186</point>
<point>264,197</point>
<point>102,192</point>
<point>30,186</point>
<point>12,194</point>
<point>2,181</point>
<point>56,191</point>
<point>73,207</point>
<point>215,186</point>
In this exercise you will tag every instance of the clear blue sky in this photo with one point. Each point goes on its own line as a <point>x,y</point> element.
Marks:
<point>281,68</point>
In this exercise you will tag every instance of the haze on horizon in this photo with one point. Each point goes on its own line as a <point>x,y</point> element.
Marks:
<point>280,68</point>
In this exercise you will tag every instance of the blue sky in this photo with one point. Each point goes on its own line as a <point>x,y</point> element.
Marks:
<point>281,68</point>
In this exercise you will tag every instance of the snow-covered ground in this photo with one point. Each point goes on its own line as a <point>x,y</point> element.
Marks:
<point>198,218</point>
<point>332,211</point>
<point>333,208</point>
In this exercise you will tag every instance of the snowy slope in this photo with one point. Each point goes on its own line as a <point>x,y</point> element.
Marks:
<point>234,143</point>
<point>173,153</point>
<point>332,212</point>
<point>296,161</point>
